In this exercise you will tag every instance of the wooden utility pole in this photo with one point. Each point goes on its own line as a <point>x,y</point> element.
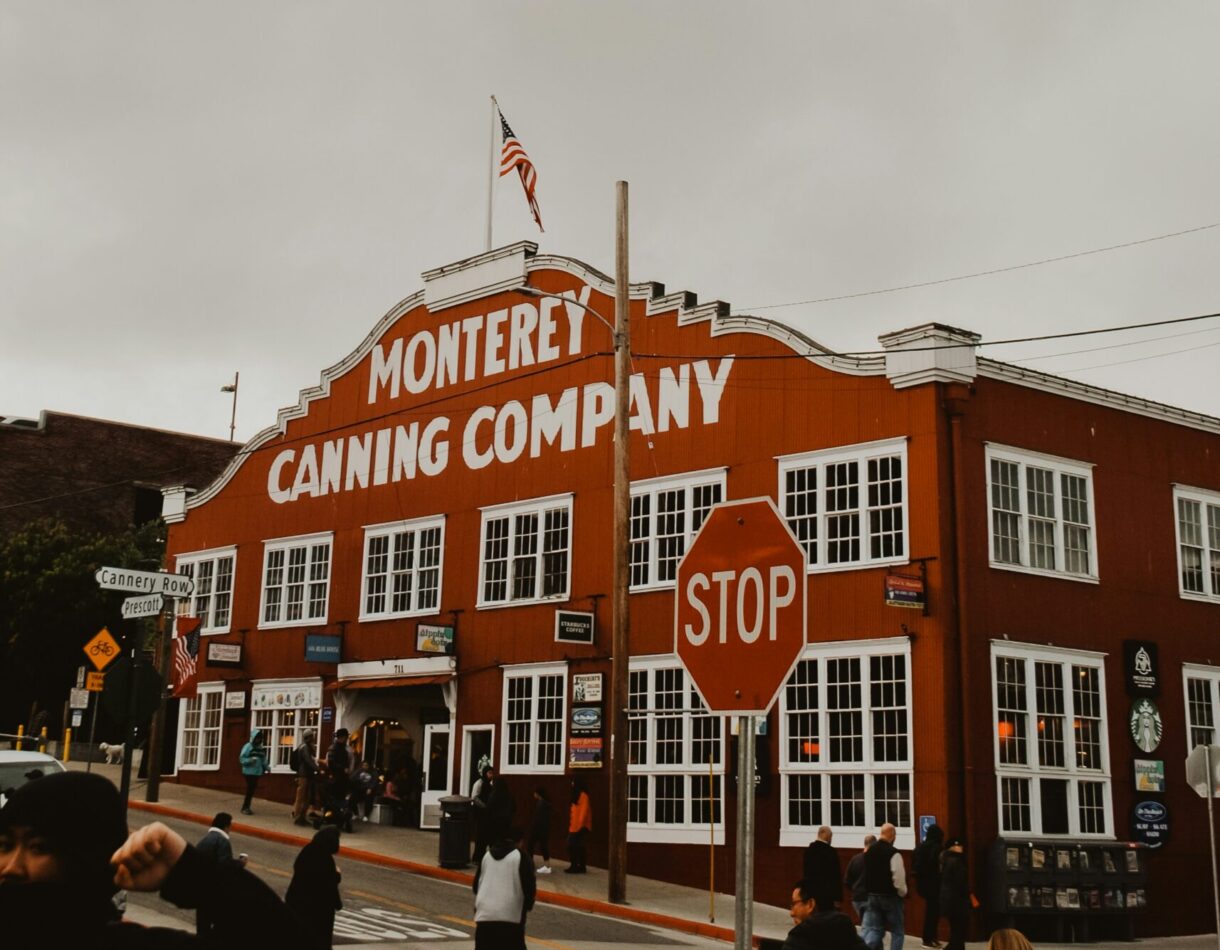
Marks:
<point>157,737</point>
<point>620,618</point>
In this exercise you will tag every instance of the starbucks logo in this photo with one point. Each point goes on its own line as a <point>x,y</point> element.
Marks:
<point>1143,662</point>
<point>1145,724</point>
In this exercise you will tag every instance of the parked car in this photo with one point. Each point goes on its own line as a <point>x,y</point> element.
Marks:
<point>17,768</point>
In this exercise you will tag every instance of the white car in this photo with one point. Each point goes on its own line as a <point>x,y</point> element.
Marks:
<point>17,768</point>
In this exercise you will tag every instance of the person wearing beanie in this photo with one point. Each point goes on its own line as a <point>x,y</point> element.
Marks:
<point>65,851</point>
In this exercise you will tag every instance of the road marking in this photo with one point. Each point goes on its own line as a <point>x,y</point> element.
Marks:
<point>368,895</point>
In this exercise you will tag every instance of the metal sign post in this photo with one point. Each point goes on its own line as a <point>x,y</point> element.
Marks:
<point>743,916</point>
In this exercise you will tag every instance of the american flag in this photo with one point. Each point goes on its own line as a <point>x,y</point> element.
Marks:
<point>512,155</point>
<point>186,655</point>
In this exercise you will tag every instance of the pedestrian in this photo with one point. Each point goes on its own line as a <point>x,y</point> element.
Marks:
<point>817,927</point>
<point>540,829</point>
<point>853,879</point>
<point>304,761</point>
<point>821,870</point>
<point>65,851</point>
<point>886,881</point>
<point>216,847</point>
<point>365,786</point>
<point>1009,939</point>
<point>480,800</point>
<point>313,894</point>
<point>926,866</point>
<point>253,758</point>
<point>504,890</point>
<point>580,823</point>
<point>338,787</point>
<point>955,892</point>
<point>500,809</point>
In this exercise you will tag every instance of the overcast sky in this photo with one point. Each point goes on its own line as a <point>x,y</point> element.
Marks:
<point>190,189</point>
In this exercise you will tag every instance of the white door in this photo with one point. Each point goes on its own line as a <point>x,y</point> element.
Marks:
<point>436,774</point>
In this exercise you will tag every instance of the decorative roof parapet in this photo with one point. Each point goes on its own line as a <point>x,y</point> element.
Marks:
<point>931,353</point>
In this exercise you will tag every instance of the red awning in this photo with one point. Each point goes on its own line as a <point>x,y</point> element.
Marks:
<point>388,682</point>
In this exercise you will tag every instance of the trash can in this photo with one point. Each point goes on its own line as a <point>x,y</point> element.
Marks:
<point>455,831</point>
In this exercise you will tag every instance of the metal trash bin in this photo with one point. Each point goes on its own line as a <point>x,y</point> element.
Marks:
<point>455,831</point>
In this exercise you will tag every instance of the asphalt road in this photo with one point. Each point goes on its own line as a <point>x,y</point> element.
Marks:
<point>384,908</point>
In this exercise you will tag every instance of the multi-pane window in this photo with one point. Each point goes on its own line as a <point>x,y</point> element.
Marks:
<point>1052,761</point>
<point>296,580</point>
<point>1202,695</point>
<point>675,755</point>
<point>1041,512</point>
<point>845,740</point>
<point>1198,529</point>
<point>526,551</point>
<point>665,515</point>
<point>212,600</point>
<point>847,506</point>
<point>285,710</point>
<point>202,714</point>
<point>533,728</point>
<point>402,569</point>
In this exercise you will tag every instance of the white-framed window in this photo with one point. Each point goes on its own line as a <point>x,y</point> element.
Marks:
<point>212,601</point>
<point>1197,521</point>
<point>526,551</point>
<point>296,580</point>
<point>1052,757</point>
<point>665,514</point>
<point>846,750</point>
<point>1201,689</point>
<point>534,718</point>
<point>200,729</point>
<point>402,569</point>
<point>285,710</point>
<point>675,756</point>
<point>847,505</point>
<point>1041,513</point>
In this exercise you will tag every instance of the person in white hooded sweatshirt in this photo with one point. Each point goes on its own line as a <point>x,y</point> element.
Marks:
<point>504,890</point>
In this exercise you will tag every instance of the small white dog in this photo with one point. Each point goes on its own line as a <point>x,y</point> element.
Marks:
<point>113,753</point>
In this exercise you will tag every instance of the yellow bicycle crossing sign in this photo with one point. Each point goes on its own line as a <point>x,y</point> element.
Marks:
<point>102,649</point>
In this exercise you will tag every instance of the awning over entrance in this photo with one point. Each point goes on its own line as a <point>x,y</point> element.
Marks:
<point>386,682</point>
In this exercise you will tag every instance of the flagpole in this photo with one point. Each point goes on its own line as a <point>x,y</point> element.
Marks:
<point>491,167</point>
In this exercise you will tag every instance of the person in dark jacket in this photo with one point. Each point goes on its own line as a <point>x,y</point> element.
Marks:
<point>821,870</point>
<point>215,846</point>
<point>313,894</point>
<point>65,851</point>
<point>339,765</point>
<point>540,829</point>
<point>818,928</point>
<point>853,878</point>
<point>480,795</point>
<point>504,891</point>
<point>926,865</point>
<point>955,892</point>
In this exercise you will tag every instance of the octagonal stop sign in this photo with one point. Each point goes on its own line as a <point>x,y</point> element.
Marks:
<point>740,607</point>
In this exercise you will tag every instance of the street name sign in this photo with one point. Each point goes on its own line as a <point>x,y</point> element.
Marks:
<point>145,582</point>
<point>148,606</point>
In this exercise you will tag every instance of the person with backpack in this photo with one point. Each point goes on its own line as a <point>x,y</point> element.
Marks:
<point>304,762</point>
<point>504,892</point>
<point>926,865</point>
<point>253,759</point>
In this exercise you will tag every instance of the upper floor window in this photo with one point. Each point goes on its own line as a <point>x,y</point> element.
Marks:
<point>212,601</point>
<point>665,514</point>
<point>1051,751</point>
<point>1041,513</point>
<point>1198,529</point>
<point>296,580</point>
<point>526,552</point>
<point>847,505</point>
<point>534,711</point>
<point>402,569</point>
<point>1202,688</point>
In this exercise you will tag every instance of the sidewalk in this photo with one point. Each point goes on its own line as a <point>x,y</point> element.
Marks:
<point>657,903</point>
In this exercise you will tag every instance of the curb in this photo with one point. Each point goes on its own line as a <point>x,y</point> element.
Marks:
<point>571,901</point>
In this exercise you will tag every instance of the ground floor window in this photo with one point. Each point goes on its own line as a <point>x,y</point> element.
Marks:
<point>201,719</point>
<point>533,725</point>
<point>285,710</point>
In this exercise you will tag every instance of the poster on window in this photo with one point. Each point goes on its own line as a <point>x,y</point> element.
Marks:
<point>585,752</point>
<point>286,696</point>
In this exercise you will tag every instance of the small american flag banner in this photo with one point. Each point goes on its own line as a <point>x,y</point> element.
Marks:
<point>186,656</point>
<point>512,155</point>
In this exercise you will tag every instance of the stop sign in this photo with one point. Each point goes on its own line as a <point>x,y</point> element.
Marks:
<point>740,607</point>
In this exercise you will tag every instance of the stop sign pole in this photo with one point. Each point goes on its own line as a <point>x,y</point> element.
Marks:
<point>740,616</point>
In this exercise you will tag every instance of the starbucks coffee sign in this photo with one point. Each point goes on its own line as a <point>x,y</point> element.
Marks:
<point>1145,722</point>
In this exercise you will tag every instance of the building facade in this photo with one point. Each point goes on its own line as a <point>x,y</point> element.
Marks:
<point>420,551</point>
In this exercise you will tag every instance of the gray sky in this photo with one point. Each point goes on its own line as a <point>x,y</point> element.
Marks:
<point>189,189</point>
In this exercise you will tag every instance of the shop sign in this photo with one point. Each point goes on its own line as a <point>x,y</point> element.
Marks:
<point>224,654</point>
<point>586,720</point>
<point>323,649</point>
<point>1149,775</point>
<point>573,626</point>
<point>1141,668</point>
<point>1150,823</point>
<point>286,696</point>
<point>235,699</point>
<point>902,590</point>
<point>1145,722</point>
<point>587,688</point>
<point>585,752</point>
<point>328,714</point>
<point>430,638</point>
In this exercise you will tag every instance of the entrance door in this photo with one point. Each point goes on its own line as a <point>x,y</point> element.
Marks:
<point>436,774</point>
<point>477,742</point>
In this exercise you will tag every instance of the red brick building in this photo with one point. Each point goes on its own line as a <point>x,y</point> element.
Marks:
<point>451,479</point>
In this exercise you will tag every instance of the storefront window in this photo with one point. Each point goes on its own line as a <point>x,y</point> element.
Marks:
<point>284,710</point>
<point>201,721</point>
